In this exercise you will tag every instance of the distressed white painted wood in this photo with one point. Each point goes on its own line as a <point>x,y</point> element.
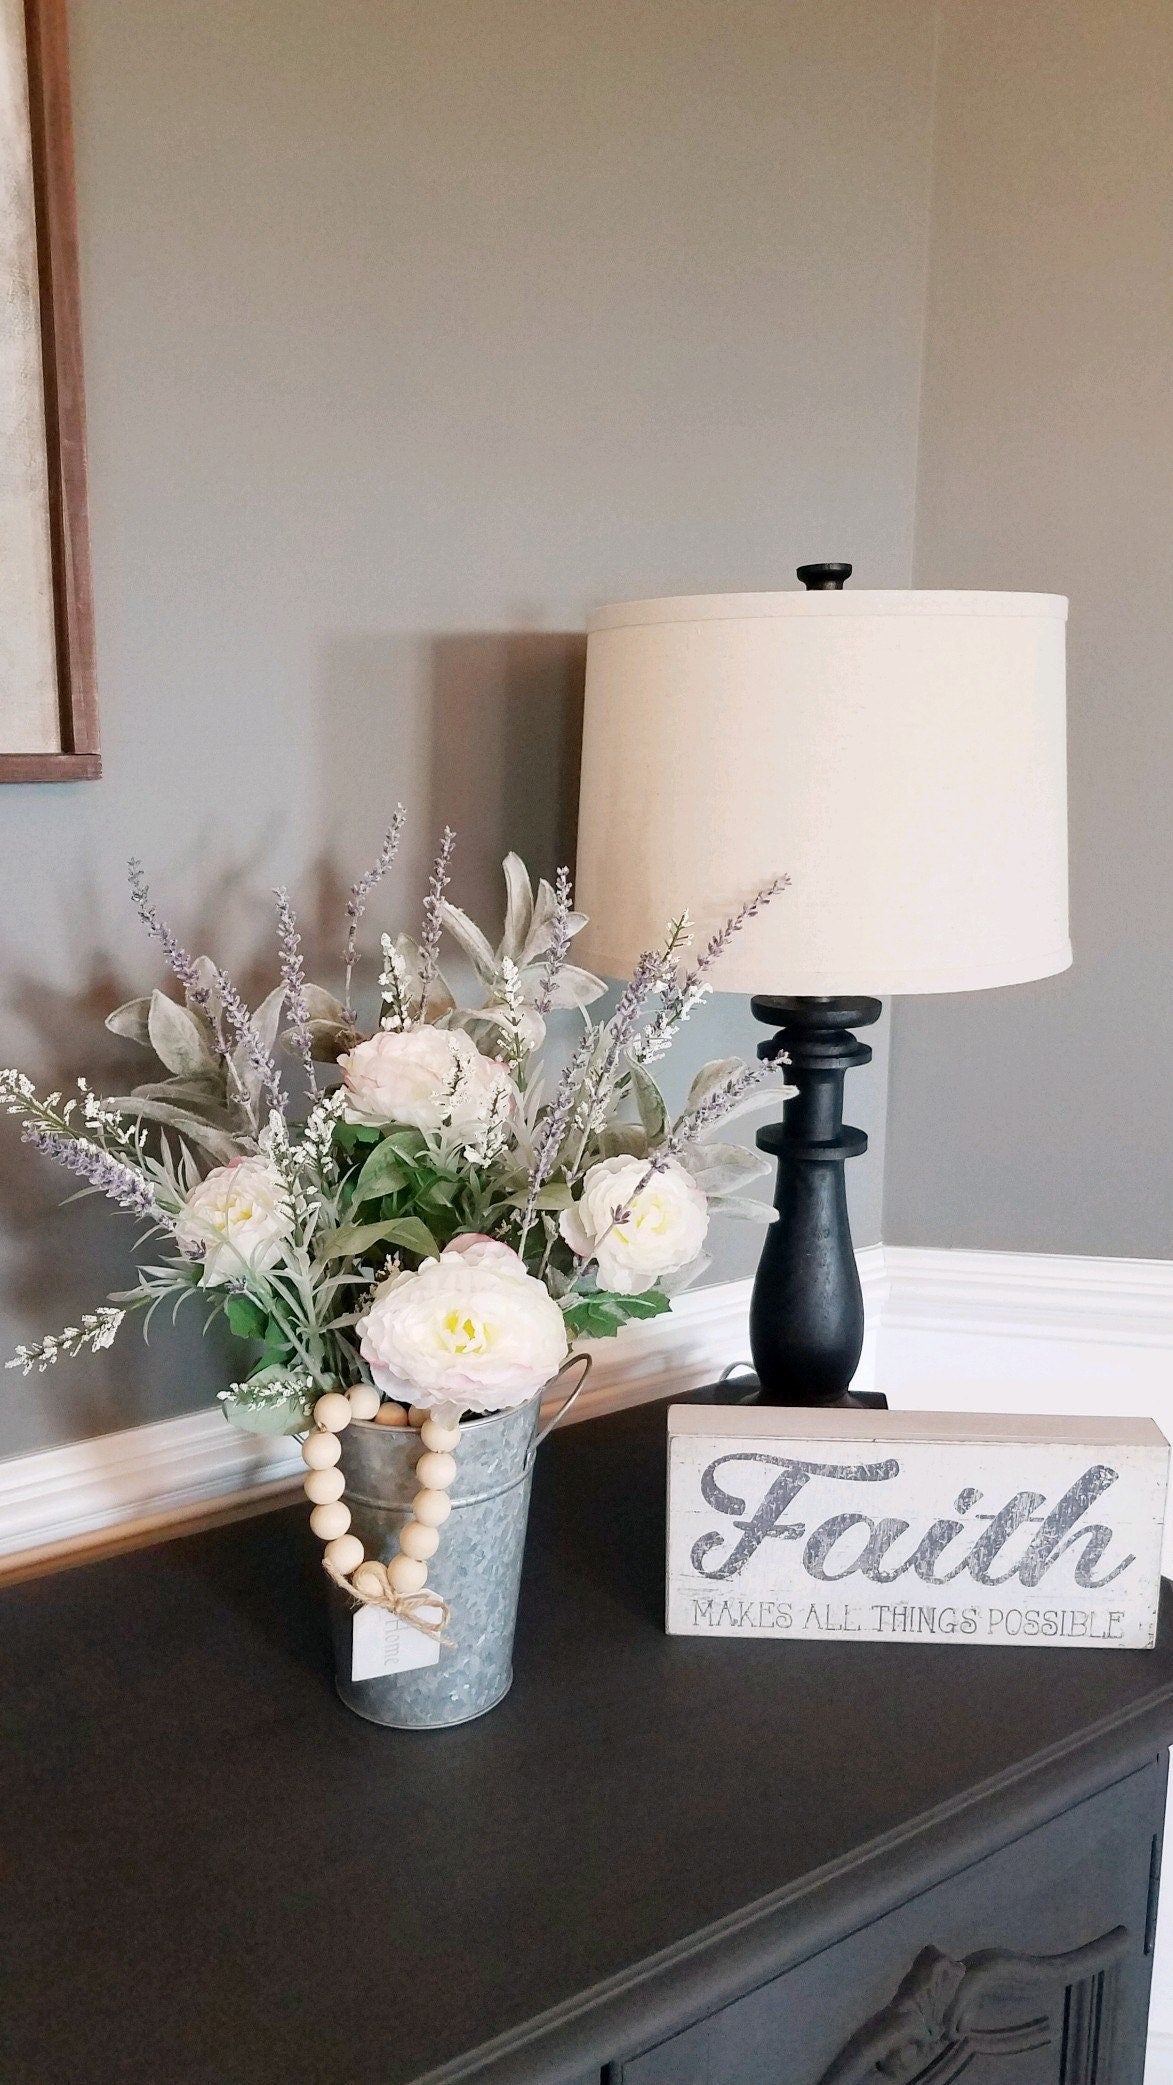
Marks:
<point>932,1527</point>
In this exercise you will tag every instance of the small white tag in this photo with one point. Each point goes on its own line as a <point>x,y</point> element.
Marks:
<point>381,1643</point>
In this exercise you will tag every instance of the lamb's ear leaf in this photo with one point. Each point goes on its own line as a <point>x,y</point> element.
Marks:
<point>653,1111</point>
<point>743,1205</point>
<point>207,981</point>
<point>441,1000</point>
<point>710,1075</point>
<point>353,1239</point>
<point>468,935</point>
<point>328,1040</point>
<point>267,1018</point>
<point>541,926</point>
<point>204,1097</point>
<point>321,1005</point>
<point>131,1020</point>
<point>216,1142</point>
<point>519,907</point>
<point>177,1038</point>
<point>290,1414</point>
<point>623,1140</point>
<point>723,1168</point>
<point>575,987</point>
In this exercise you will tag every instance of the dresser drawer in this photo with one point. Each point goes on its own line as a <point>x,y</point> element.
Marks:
<point>951,1984</point>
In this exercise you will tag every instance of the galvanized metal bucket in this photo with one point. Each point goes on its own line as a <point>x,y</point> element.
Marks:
<point>477,1568</point>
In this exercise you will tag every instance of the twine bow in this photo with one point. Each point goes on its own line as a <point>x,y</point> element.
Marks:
<point>426,1612</point>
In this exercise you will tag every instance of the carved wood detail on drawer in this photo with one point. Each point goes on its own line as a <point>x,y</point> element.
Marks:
<point>945,2013</point>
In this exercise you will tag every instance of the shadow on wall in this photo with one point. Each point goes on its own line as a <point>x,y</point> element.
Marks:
<point>480,731</point>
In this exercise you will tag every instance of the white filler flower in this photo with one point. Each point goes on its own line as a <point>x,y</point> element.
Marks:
<point>663,1228</point>
<point>472,1328</point>
<point>423,1078</point>
<point>236,1219</point>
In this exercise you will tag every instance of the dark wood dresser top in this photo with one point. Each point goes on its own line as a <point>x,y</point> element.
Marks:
<point>213,1872</point>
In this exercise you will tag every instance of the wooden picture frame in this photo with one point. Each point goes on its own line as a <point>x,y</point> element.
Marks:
<point>76,756</point>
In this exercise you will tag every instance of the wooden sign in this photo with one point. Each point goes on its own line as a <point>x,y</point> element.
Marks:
<point>914,1527</point>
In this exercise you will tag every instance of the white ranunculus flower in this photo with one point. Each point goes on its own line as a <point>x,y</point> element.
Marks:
<point>472,1329</point>
<point>423,1078</point>
<point>236,1219</point>
<point>663,1231</point>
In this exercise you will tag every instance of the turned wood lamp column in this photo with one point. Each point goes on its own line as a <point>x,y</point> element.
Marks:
<point>901,758</point>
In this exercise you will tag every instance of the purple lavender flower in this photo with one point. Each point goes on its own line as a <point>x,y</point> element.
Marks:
<point>559,947</point>
<point>183,965</point>
<point>293,978</point>
<point>434,916</point>
<point>357,902</point>
<point>684,993</point>
<point>240,1022</point>
<point>554,1129</point>
<point>109,1175</point>
<point>727,1094</point>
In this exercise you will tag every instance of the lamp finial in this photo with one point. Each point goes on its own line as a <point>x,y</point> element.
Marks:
<point>823,578</point>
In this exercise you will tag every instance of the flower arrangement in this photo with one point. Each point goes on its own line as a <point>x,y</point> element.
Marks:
<point>426,1229</point>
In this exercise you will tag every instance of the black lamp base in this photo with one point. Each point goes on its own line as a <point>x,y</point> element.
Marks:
<point>806,1319</point>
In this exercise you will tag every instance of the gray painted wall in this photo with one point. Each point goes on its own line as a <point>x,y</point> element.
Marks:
<point>411,332</point>
<point>1036,1119</point>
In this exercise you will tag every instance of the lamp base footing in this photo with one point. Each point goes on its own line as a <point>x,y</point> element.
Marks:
<point>746,1390</point>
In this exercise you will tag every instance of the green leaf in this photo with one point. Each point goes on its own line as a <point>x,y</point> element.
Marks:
<point>600,1315</point>
<point>353,1239</point>
<point>349,1135</point>
<point>246,1318</point>
<point>383,1174</point>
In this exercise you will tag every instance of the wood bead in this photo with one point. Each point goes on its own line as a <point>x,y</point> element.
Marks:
<point>319,1451</point>
<point>431,1508</point>
<point>391,1414</point>
<point>330,1520</point>
<point>406,1575</point>
<point>321,1486</point>
<point>433,1435</point>
<point>363,1400</point>
<point>371,1579</point>
<point>333,1411</point>
<point>345,1552</point>
<point>416,1540</point>
<point>417,1414</point>
<point>435,1472</point>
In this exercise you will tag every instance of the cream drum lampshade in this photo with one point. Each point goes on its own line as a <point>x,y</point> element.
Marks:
<point>900,756</point>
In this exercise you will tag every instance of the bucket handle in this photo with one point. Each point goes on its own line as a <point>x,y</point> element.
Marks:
<point>582,1361</point>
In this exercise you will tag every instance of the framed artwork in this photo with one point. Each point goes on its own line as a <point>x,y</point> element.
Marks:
<point>48,706</point>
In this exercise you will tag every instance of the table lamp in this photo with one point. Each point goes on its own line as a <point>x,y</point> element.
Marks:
<point>901,757</point>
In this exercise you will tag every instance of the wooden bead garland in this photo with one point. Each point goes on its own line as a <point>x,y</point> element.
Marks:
<point>398,1584</point>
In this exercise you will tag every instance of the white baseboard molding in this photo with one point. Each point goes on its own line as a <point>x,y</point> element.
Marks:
<point>1027,1331</point>
<point>1018,1331</point>
<point>61,1499</point>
